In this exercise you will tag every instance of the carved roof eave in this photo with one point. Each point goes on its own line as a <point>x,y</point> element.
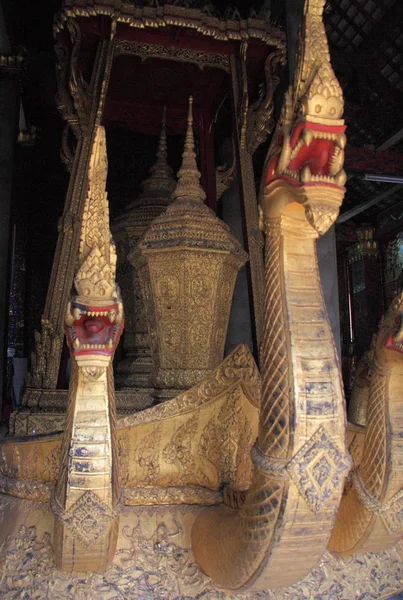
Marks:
<point>168,15</point>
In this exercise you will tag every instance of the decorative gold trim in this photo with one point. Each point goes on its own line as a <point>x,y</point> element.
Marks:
<point>239,366</point>
<point>20,488</point>
<point>162,16</point>
<point>259,117</point>
<point>197,57</point>
<point>190,494</point>
<point>87,518</point>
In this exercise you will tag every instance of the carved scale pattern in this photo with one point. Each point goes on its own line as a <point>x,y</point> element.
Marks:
<point>373,464</point>
<point>113,421</point>
<point>275,409</point>
<point>264,497</point>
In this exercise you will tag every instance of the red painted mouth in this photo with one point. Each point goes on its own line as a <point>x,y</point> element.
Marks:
<point>94,330</point>
<point>316,158</point>
<point>392,344</point>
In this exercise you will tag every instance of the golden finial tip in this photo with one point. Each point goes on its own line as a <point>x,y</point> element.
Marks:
<point>189,176</point>
<point>190,112</point>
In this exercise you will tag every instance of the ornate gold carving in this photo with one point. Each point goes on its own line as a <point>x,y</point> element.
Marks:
<point>229,454</point>
<point>88,487</point>
<point>189,259</point>
<point>44,411</point>
<point>78,87</point>
<point>178,452</point>
<point>143,496</point>
<point>146,453</point>
<point>317,470</point>
<point>144,51</point>
<point>95,277</point>
<point>87,518</point>
<point>302,393</point>
<point>48,344</point>
<point>201,438</point>
<point>366,245</point>
<point>72,96</point>
<point>171,15</point>
<point>126,400</point>
<point>34,490</point>
<point>156,561</point>
<point>134,370</point>
<point>259,118</point>
<point>238,367</point>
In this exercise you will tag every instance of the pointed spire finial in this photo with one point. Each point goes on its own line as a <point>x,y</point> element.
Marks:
<point>188,175</point>
<point>161,168</point>
<point>159,185</point>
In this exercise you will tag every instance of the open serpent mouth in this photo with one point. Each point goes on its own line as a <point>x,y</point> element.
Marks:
<point>395,340</point>
<point>315,156</point>
<point>94,330</point>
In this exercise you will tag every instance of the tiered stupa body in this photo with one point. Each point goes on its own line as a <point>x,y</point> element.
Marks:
<point>156,193</point>
<point>189,264</point>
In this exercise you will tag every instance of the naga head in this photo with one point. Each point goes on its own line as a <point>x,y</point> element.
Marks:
<point>304,175</point>
<point>389,342</point>
<point>94,319</point>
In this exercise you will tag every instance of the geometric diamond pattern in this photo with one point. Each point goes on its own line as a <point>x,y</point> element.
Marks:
<point>88,517</point>
<point>318,469</point>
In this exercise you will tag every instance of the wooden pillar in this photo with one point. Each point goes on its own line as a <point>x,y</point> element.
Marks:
<point>253,238</point>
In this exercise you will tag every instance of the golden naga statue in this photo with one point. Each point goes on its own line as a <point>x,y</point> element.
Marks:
<point>370,517</point>
<point>300,455</point>
<point>234,484</point>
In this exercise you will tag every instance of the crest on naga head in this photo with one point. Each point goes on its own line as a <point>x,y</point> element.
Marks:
<point>307,151</point>
<point>94,320</point>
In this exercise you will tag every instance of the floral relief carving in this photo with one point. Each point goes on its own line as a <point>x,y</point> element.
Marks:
<point>158,564</point>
